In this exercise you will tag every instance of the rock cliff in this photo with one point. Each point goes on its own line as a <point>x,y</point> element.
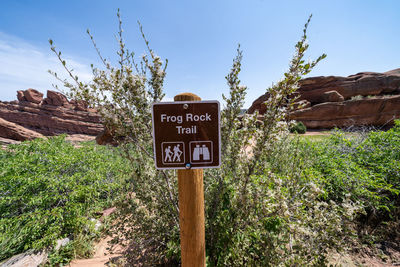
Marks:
<point>32,116</point>
<point>366,98</point>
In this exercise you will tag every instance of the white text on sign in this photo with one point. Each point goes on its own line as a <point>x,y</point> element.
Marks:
<point>189,117</point>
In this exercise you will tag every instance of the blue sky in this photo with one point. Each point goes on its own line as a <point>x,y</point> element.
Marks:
<point>199,38</point>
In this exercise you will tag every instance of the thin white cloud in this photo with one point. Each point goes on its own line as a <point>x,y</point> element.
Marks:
<point>23,65</point>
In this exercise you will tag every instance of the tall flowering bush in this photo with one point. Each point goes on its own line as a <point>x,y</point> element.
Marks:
<point>258,212</point>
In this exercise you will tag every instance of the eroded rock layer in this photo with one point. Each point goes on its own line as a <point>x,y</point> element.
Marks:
<point>367,112</point>
<point>50,116</point>
<point>14,131</point>
<point>366,98</point>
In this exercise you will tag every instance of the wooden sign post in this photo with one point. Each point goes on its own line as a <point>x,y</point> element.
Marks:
<point>191,209</point>
<point>186,137</point>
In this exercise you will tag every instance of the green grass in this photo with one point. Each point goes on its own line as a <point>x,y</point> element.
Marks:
<point>49,190</point>
<point>315,138</point>
<point>366,166</point>
<point>323,135</point>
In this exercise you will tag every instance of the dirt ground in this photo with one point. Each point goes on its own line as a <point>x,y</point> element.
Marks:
<point>363,259</point>
<point>103,256</point>
<point>317,133</point>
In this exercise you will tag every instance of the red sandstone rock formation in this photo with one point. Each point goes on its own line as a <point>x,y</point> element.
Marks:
<point>56,99</point>
<point>52,116</point>
<point>30,95</point>
<point>363,84</point>
<point>331,105</point>
<point>372,112</point>
<point>14,131</point>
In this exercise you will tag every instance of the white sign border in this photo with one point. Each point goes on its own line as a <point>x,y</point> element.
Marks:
<point>187,102</point>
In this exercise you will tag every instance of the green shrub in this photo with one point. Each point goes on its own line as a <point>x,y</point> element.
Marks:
<point>365,166</point>
<point>298,127</point>
<point>369,164</point>
<point>267,209</point>
<point>49,190</point>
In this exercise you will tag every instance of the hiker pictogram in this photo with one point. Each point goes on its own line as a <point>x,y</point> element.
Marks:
<point>168,154</point>
<point>173,152</point>
<point>200,151</point>
<point>177,153</point>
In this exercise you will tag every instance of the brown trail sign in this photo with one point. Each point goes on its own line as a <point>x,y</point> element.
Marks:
<point>186,134</point>
<point>187,137</point>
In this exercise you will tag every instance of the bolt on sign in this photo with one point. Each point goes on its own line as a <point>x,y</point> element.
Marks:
<point>186,135</point>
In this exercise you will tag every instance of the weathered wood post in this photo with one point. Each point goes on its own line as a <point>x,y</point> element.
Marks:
<point>186,136</point>
<point>191,209</point>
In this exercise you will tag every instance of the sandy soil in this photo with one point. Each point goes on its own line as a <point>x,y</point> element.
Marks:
<point>317,133</point>
<point>102,256</point>
<point>362,259</point>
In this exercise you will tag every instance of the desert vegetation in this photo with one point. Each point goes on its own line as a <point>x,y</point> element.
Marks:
<point>51,190</point>
<point>292,202</point>
<point>338,193</point>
